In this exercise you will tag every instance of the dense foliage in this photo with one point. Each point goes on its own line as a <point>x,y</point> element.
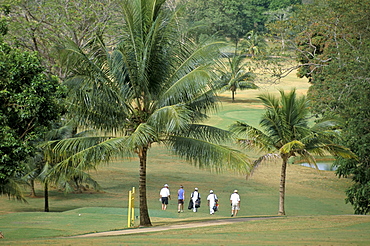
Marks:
<point>39,25</point>
<point>27,107</point>
<point>231,18</point>
<point>333,41</point>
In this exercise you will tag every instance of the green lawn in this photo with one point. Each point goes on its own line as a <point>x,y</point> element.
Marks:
<point>316,211</point>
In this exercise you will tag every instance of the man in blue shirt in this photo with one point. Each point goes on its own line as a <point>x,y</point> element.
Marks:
<point>180,198</point>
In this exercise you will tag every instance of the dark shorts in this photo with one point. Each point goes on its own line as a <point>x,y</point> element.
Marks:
<point>164,200</point>
<point>180,201</point>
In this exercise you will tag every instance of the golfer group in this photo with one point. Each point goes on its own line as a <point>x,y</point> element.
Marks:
<point>195,200</point>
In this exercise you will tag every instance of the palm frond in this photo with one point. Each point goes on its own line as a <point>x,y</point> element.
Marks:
<point>96,85</point>
<point>308,156</point>
<point>262,159</point>
<point>292,146</point>
<point>70,146</point>
<point>144,135</point>
<point>13,188</point>
<point>208,133</point>
<point>192,57</point>
<point>329,124</point>
<point>209,155</point>
<point>66,181</point>
<point>252,137</point>
<point>170,119</point>
<point>338,150</point>
<point>203,104</point>
<point>186,88</point>
<point>91,152</point>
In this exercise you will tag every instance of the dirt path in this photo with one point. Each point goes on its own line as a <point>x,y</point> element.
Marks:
<point>171,227</point>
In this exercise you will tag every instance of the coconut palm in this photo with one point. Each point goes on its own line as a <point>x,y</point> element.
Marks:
<point>286,133</point>
<point>233,75</point>
<point>40,166</point>
<point>253,44</point>
<point>152,87</point>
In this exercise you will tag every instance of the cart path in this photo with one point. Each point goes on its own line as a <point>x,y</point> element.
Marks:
<point>171,227</point>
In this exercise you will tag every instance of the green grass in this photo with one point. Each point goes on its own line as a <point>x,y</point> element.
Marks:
<point>317,213</point>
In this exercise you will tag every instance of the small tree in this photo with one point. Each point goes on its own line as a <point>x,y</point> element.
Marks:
<point>234,76</point>
<point>28,106</point>
<point>286,133</point>
<point>41,166</point>
<point>253,44</point>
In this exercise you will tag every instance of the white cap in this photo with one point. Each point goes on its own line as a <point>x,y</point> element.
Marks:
<point>195,188</point>
<point>235,191</point>
<point>166,185</point>
<point>211,191</point>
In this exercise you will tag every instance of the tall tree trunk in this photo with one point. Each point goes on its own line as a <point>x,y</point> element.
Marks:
<point>46,197</point>
<point>282,186</point>
<point>33,192</point>
<point>144,214</point>
<point>233,95</point>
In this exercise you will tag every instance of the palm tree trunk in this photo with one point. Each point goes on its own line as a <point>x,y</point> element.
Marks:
<point>46,197</point>
<point>282,186</point>
<point>144,214</point>
<point>33,192</point>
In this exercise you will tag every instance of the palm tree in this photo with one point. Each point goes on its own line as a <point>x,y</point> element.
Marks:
<point>253,44</point>
<point>153,87</point>
<point>41,165</point>
<point>233,75</point>
<point>286,133</point>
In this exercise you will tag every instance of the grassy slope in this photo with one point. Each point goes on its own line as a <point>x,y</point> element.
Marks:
<point>318,196</point>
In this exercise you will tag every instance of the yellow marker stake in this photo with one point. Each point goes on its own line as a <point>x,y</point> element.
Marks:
<point>131,208</point>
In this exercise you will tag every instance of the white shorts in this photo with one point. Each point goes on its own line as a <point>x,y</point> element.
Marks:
<point>235,206</point>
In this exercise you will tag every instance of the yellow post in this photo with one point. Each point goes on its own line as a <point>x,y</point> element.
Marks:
<point>131,208</point>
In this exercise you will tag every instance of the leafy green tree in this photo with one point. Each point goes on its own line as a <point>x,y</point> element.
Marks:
<point>286,133</point>
<point>227,18</point>
<point>282,4</point>
<point>28,105</point>
<point>39,25</point>
<point>154,87</point>
<point>234,76</point>
<point>332,41</point>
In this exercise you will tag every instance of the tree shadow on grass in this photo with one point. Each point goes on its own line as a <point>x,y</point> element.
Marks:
<point>225,99</point>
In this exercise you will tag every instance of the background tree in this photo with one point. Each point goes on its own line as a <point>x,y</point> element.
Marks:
<point>286,133</point>
<point>39,25</point>
<point>227,18</point>
<point>253,44</point>
<point>231,18</point>
<point>40,167</point>
<point>282,4</point>
<point>153,88</point>
<point>332,45</point>
<point>28,105</point>
<point>233,75</point>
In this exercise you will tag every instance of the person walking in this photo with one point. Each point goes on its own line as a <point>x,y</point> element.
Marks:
<point>212,200</point>
<point>180,199</point>
<point>195,197</point>
<point>164,195</point>
<point>235,203</point>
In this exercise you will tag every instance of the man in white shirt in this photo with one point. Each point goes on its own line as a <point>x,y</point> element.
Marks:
<point>164,194</point>
<point>195,196</point>
<point>235,203</point>
<point>212,201</point>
